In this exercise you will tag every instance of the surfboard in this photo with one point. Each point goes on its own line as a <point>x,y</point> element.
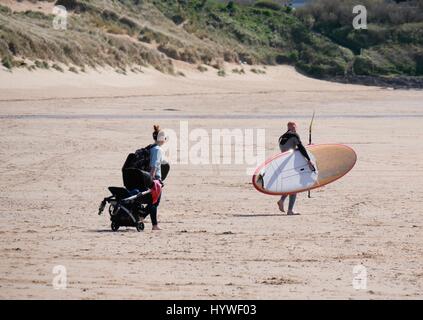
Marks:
<point>288,172</point>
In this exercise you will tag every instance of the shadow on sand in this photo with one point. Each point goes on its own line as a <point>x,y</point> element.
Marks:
<point>122,229</point>
<point>263,215</point>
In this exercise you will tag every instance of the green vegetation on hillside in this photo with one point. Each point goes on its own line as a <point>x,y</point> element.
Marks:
<point>318,39</point>
<point>258,33</point>
<point>393,43</point>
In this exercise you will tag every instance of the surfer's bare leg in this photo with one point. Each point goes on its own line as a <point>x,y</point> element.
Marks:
<point>291,204</point>
<point>280,203</point>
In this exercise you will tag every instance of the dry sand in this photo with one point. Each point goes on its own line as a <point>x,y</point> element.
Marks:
<point>24,5</point>
<point>221,238</point>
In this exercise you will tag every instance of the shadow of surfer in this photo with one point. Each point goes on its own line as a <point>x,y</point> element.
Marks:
<point>290,140</point>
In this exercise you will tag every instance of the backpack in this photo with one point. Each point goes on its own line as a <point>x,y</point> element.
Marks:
<point>140,159</point>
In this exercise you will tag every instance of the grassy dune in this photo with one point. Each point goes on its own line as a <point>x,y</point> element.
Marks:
<point>393,43</point>
<point>127,34</point>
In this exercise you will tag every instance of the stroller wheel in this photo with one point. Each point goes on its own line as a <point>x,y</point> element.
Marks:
<point>113,210</point>
<point>140,226</point>
<point>115,226</point>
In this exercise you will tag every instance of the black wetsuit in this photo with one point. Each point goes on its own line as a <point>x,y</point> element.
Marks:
<point>291,140</point>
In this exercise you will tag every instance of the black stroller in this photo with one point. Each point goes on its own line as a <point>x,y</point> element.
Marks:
<point>128,205</point>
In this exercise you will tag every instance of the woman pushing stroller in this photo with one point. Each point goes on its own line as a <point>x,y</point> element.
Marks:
<point>156,161</point>
<point>145,170</point>
<point>142,173</point>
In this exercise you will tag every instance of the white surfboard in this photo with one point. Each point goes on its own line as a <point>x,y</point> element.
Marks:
<point>289,172</point>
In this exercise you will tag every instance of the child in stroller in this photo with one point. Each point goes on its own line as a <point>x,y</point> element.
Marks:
<point>130,205</point>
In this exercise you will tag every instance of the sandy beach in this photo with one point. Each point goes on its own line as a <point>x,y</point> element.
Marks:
<point>65,136</point>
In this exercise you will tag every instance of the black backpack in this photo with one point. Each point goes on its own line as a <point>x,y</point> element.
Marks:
<point>140,159</point>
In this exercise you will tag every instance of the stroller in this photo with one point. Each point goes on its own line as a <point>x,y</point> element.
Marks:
<point>129,204</point>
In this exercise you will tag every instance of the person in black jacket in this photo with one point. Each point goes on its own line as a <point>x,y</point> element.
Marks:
<point>290,140</point>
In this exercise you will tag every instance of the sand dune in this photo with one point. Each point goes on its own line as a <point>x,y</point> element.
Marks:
<point>65,137</point>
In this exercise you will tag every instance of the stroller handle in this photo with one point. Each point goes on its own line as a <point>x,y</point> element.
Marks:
<point>136,196</point>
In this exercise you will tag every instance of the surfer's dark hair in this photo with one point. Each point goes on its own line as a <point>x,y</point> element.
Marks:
<point>156,131</point>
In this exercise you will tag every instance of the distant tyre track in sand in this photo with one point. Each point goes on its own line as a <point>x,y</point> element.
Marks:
<point>112,97</point>
<point>197,116</point>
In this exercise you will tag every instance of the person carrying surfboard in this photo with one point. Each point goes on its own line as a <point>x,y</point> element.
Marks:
<point>290,140</point>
